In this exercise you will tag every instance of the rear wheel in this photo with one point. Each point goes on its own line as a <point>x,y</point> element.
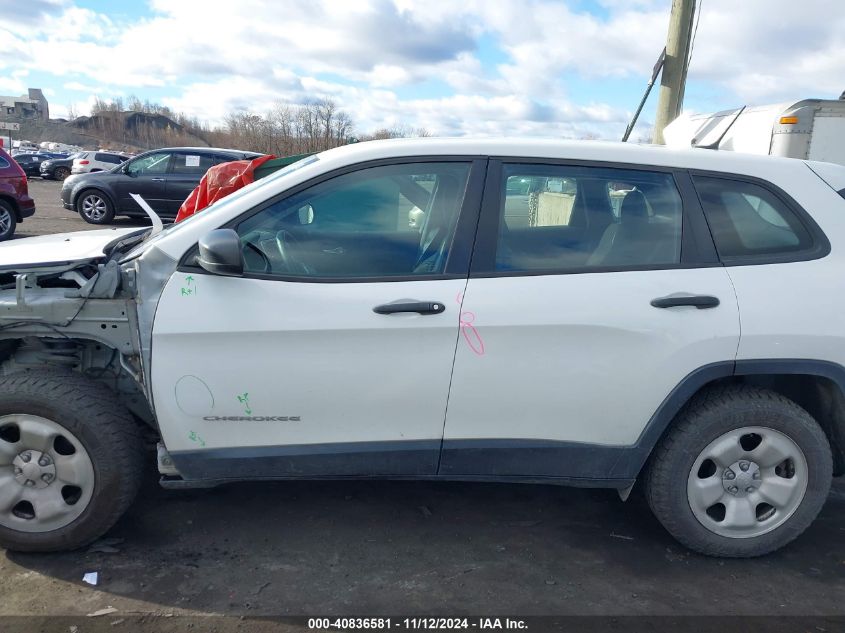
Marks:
<point>95,207</point>
<point>742,473</point>
<point>60,173</point>
<point>8,221</point>
<point>70,460</point>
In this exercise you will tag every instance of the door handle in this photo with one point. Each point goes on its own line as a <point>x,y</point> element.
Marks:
<point>702,302</point>
<point>420,307</point>
<point>156,179</point>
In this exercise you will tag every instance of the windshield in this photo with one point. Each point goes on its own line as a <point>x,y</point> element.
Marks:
<point>222,203</point>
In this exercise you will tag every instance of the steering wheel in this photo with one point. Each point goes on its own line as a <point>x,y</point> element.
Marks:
<point>284,242</point>
<point>269,253</point>
<point>250,250</point>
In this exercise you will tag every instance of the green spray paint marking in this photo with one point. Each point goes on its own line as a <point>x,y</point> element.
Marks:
<point>190,288</point>
<point>196,438</point>
<point>244,400</point>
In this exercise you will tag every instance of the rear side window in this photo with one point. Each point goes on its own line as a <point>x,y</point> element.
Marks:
<point>3,163</point>
<point>107,158</point>
<point>747,219</point>
<point>566,218</point>
<point>190,163</point>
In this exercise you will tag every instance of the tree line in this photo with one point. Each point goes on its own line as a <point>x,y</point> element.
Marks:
<point>285,130</point>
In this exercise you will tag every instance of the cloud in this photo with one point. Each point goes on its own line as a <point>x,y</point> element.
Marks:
<point>30,12</point>
<point>12,86</point>
<point>472,67</point>
<point>757,51</point>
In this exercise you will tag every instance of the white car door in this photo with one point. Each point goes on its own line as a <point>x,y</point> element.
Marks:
<point>595,292</point>
<point>332,354</point>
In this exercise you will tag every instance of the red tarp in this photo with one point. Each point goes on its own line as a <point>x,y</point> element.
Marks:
<point>220,181</point>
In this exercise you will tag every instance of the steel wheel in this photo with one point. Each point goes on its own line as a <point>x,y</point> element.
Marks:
<point>46,475</point>
<point>747,482</point>
<point>94,207</point>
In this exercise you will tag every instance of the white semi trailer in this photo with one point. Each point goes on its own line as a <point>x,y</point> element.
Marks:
<point>810,129</point>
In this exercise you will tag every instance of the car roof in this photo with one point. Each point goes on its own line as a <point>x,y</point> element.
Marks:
<point>586,151</point>
<point>203,150</point>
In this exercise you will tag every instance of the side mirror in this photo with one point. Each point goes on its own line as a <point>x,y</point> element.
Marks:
<point>221,253</point>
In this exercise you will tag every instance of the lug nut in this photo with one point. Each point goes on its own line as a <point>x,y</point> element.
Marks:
<point>743,466</point>
<point>47,478</point>
<point>729,474</point>
<point>18,471</point>
<point>749,489</point>
<point>733,490</point>
<point>44,461</point>
<point>25,457</point>
<point>29,482</point>
<point>756,475</point>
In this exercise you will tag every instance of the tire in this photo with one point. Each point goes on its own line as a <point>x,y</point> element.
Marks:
<point>8,221</point>
<point>95,207</point>
<point>60,173</point>
<point>715,482</point>
<point>89,452</point>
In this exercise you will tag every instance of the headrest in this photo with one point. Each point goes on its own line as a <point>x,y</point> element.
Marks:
<point>633,207</point>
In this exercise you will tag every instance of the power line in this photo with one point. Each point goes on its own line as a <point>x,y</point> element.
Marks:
<point>695,32</point>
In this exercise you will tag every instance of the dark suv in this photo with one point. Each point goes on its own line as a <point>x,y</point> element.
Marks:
<point>58,168</point>
<point>163,177</point>
<point>15,203</point>
<point>31,163</point>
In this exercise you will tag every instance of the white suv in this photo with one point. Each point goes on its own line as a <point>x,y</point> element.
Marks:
<point>86,162</point>
<point>566,313</point>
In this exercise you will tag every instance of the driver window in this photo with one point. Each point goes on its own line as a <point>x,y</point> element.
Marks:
<point>395,220</point>
<point>152,164</point>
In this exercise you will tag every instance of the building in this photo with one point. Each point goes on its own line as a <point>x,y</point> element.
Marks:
<point>31,106</point>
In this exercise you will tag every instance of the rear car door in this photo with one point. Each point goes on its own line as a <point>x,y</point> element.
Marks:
<point>28,163</point>
<point>186,170</point>
<point>147,176</point>
<point>332,354</point>
<point>594,293</point>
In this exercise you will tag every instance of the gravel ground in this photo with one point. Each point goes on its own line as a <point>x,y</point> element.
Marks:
<point>365,548</point>
<point>51,217</point>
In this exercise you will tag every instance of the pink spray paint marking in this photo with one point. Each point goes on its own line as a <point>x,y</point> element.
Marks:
<point>470,334</point>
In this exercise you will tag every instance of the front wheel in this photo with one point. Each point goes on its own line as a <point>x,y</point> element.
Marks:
<point>95,207</point>
<point>742,472</point>
<point>70,461</point>
<point>7,221</point>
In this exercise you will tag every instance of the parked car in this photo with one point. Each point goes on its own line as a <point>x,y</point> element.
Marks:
<point>31,163</point>
<point>57,168</point>
<point>91,162</point>
<point>301,328</point>
<point>15,203</point>
<point>163,177</point>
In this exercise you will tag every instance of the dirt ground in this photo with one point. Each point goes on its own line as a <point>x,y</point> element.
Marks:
<point>368,548</point>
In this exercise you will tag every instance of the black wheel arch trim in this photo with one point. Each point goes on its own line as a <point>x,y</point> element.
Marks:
<point>631,462</point>
<point>15,207</point>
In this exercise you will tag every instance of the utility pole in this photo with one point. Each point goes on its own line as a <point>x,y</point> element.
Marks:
<point>674,76</point>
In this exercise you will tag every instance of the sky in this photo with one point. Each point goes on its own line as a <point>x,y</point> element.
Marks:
<point>555,68</point>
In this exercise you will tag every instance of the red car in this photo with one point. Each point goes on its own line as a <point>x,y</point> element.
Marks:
<point>15,203</point>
